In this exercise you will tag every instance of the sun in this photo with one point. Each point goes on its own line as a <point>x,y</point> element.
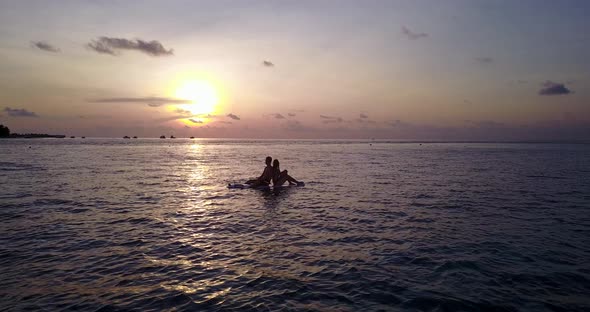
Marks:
<point>202,96</point>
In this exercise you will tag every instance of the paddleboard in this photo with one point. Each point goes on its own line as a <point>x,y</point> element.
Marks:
<point>260,187</point>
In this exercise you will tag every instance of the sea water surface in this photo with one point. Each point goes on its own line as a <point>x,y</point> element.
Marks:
<point>149,225</point>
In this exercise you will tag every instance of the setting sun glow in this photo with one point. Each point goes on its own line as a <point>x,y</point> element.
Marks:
<point>202,95</point>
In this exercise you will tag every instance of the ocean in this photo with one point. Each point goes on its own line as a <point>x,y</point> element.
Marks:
<point>150,225</point>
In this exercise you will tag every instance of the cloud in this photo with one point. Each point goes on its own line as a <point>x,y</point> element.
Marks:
<point>207,116</point>
<point>232,116</point>
<point>412,35</point>
<point>94,116</point>
<point>150,101</point>
<point>268,63</point>
<point>363,116</point>
<point>554,88</point>
<point>518,81</point>
<point>294,112</point>
<point>169,118</point>
<point>19,112</point>
<point>195,121</point>
<point>225,122</point>
<point>278,116</point>
<point>111,46</point>
<point>42,45</point>
<point>365,121</point>
<point>331,119</point>
<point>394,123</point>
<point>183,111</point>
<point>484,60</point>
<point>296,126</point>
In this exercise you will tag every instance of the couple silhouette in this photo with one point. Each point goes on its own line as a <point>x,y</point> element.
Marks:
<point>272,173</point>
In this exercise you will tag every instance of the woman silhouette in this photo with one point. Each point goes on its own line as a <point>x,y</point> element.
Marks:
<point>280,177</point>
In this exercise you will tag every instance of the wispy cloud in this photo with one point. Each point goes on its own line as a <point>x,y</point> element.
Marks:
<point>268,63</point>
<point>365,121</point>
<point>331,119</point>
<point>183,111</point>
<point>296,126</point>
<point>363,116</point>
<point>232,116</point>
<point>394,123</point>
<point>554,88</point>
<point>195,121</point>
<point>111,46</point>
<point>150,101</point>
<point>19,112</point>
<point>278,116</point>
<point>413,35</point>
<point>42,45</point>
<point>484,60</point>
<point>94,116</point>
<point>170,118</point>
<point>294,112</point>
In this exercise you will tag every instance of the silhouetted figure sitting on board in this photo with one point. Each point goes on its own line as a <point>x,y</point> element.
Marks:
<point>280,177</point>
<point>266,176</point>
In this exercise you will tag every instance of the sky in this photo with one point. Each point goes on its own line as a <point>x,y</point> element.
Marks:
<point>407,70</point>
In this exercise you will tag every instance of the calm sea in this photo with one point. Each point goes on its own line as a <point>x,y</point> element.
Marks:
<point>149,225</point>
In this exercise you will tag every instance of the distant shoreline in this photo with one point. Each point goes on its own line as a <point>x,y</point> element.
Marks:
<point>371,141</point>
<point>33,136</point>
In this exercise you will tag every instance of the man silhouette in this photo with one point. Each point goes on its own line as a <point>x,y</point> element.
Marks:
<point>265,177</point>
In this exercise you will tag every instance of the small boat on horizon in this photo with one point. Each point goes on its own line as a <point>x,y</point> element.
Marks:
<point>172,137</point>
<point>192,137</point>
<point>126,137</point>
<point>83,137</point>
<point>162,137</point>
<point>135,137</point>
<point>72,137</point>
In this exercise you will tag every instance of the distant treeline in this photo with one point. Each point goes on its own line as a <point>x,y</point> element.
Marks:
<point>5,133</point>
<point>35,135</point>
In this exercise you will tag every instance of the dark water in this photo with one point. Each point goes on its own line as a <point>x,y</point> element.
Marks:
<point>149,225</point>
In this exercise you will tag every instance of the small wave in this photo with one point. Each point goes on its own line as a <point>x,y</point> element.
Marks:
<point>458,265</point>
<point>9,166</point>
<point>546,177</point>
<point>52,202</point>
<point>16,196</point>
<point>78,210</point>
<point>424,196</point>
<point>224,196</point>
<point>138,220</point>
<point>448,303</point>
<point>420,220</point>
